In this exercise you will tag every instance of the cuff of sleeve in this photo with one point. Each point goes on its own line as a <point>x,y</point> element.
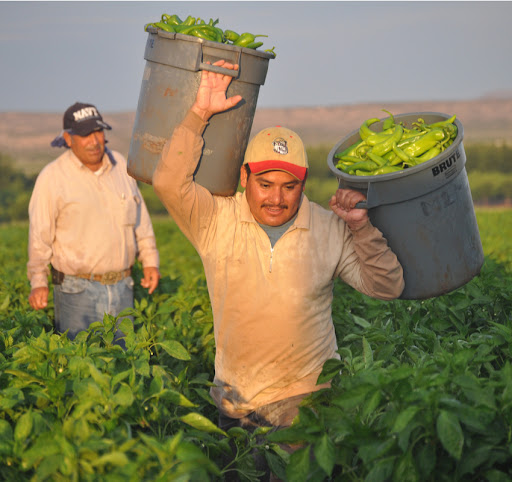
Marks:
<point>194,123</point>
<point>363,230</point>
<point>39,280</point>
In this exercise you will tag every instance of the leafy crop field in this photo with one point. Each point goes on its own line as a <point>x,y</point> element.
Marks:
<point>423,390</point>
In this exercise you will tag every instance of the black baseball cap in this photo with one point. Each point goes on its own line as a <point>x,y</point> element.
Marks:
<point>82,119</point>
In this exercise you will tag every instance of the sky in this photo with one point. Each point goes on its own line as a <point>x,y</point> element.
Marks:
<point>327,53</point>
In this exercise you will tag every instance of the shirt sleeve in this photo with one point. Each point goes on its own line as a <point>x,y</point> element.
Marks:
<point>191,205</point>
<point>369,265</point>
<point>145,236</point>
<point>42,215</point>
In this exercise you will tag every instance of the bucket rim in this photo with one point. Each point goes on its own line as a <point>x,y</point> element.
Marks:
<point>211,43</point>
<point>405,172</point>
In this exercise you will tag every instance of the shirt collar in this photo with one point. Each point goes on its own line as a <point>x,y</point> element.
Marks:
<point>106,164</point>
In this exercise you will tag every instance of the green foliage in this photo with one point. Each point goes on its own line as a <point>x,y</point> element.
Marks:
<point>422,390</point>
<point>490,187</point>
<point>15,191</point>
<point>488,157</point>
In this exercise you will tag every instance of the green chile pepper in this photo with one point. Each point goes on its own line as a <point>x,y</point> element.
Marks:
<point>350,150</point>
<point>451,120</point>
<point>246,38</point>
<point>351,159</point>
<point>231,35</point>
<point>389,122</point>
<point>204,33</point>
<point>377,159</point>
<point>164,26</point>
<point>254,45</point>
<point>189,21</point>
<point>387,145</point>
<point>386,170</point>
<point>365,131</point>
<point>364,166</point>
<point>171,19</point>
<point>379,136</point>
<point>401,155</point>
<point>426,142</point>
<point>430,154</point>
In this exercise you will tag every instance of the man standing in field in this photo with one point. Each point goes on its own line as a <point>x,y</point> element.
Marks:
<point>270,257</point>
<point>89,220</point>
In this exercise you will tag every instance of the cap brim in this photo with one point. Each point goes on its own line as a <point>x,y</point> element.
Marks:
<point>88,127</point>
<point>265,166</point>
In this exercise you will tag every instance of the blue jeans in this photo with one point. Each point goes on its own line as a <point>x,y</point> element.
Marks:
<point>80,302</point>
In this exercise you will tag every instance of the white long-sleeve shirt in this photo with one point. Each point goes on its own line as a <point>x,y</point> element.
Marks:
<point>85,222</point>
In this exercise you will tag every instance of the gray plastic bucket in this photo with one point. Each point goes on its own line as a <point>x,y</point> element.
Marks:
<point>425,212</point>
<point>170,81</point>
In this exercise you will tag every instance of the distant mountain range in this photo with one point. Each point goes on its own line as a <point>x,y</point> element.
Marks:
<point>27,136</point>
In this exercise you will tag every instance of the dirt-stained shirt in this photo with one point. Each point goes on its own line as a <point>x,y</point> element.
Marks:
<point>85,222</point>
<point>271,305</point>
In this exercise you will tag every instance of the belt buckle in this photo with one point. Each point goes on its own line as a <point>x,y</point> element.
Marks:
<point>110,278</point>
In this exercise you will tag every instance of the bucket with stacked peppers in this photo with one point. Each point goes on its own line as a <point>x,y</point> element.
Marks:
<point>197,27</point>
<point>395,147</point>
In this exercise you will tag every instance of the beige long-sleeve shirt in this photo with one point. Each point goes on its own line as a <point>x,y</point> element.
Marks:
<point>86,222</point>
<point>271,305</point>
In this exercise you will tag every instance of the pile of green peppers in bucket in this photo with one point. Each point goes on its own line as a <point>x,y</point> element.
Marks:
<point>396,147</point>
<point>197,27</point>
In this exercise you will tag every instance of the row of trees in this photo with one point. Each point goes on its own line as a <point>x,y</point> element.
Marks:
<point>489,168</point>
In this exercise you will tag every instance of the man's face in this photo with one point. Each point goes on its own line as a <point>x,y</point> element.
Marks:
<point>273,196</point>
<point>89,149</point>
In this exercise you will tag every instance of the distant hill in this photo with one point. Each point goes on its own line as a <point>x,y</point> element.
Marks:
<point>27,136</point>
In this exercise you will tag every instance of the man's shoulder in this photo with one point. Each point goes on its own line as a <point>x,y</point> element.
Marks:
<point>55,165</point>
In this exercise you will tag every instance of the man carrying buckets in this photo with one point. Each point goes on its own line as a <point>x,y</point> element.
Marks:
<point>270,257</point>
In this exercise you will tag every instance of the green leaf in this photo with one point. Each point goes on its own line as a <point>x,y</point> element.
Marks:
<point>200,422</point>
<point>450,433</point>
<point>426,459</point>
<point>113,458</point>
<point>352,397</point>
<point>324,451</point>
<point>298,468</point>
<point>331,368</point>
<point>175,349</point>
<point>381,471</point>
<point>405,470</point>
<point>124,396</point>
<point>5,303</point>
<point>367,353</point>
<point>176,398</point>
<point>5,430</point>
<point>23,427</point>
<point>361,321</point>
<point>404,417</point>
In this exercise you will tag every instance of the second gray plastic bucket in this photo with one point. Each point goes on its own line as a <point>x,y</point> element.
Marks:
<point>170,81</point>
<point>425,212</point>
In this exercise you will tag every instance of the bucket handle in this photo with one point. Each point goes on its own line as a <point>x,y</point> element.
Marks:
<point>220,70</point>
<point>361,205</point>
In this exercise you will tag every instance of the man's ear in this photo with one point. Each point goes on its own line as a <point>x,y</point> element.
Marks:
<point>67,138</point>
<point>243,177</point>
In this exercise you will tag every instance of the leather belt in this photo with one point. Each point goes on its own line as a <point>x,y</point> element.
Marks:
<point>109,278</point>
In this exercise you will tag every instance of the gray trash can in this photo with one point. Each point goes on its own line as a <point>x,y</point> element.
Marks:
<point>169,86</point>
<point>425,212</point>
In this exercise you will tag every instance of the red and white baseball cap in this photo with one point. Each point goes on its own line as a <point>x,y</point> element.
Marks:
<point>277,149</point>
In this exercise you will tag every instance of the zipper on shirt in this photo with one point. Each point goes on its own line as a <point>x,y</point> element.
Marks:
<point>271,258</point>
